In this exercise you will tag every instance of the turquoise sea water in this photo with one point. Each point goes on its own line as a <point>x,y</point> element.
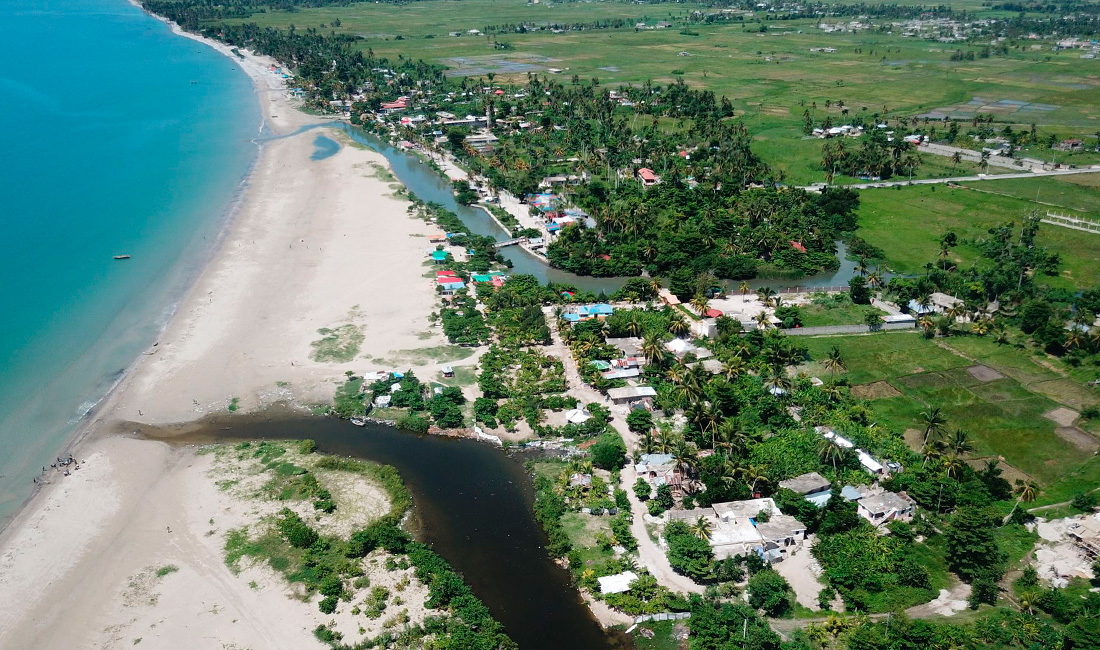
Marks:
<point>119,138</point>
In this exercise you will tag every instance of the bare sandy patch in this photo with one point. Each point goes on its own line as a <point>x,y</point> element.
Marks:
<point>1078,438</point>
<point>984,373</point>
<point>875,390</point>
<point>1062,416</point>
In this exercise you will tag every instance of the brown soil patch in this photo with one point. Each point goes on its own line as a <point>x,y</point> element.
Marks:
<point>875,390</point>
<point>1078,438</point>
<point>984,373</point>
<point>914,438</point>
<point>1008,472</point>
<point>1062,416</point>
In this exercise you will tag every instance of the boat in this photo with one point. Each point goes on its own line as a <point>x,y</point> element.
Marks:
<point>122,257</point>
<point>359,421</point>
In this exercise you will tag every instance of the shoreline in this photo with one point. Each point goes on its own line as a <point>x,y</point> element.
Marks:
<point>294,254</point>
<point>189,271</point>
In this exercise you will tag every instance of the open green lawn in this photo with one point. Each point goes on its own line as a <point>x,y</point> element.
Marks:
<point>907,222</point>
<point>819,315</point>
<point>1003,416</point>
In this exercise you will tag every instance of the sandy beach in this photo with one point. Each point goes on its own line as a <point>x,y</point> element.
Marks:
<point>314,244</point>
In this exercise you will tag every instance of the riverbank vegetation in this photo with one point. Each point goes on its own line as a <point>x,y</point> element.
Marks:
<point>331,529</point>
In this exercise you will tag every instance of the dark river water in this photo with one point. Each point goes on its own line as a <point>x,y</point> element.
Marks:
<point>472,504</point>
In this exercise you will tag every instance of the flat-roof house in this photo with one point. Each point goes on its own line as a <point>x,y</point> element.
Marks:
<point>630,346</point>
<point>617,583</point>
<point>736,528</point>
<point>809,483</point>
<point>883,508</point>
<point>630,394</point>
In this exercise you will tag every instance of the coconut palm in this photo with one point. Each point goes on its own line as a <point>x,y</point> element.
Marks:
<point>733,368</point>
<point>633,324</point>
<point>684,455</point>
<point>677,324</point>
<point>1074,338</point>
<point>765,294</point>
<point>954,465</point>
<point>960,443</point>
<point>830,451</point>
<point>700,304</point>
<point>744,288</point>
<point>1000,334</point>
<point>777,382</point>
<point>653,349</point>
<point>834,363</point>
<point>701,528</point>
<point>1026,491</point>
<point>762,320</point>
<point>933,420</point>
<point>733,439</point>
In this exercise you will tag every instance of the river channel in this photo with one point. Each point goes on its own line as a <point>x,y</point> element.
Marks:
<point>472,504</point>
<point>426,183</point>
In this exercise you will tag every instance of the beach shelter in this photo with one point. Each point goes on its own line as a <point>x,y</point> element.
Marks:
<point>439,256</point>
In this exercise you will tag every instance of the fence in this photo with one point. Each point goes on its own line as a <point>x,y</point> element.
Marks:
<point>1072,222</point>
<point>789,290</point>
<point>845,329</point>
<point>664,616</point>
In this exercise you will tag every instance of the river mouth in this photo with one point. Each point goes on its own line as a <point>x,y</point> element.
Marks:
<point>471,503</point>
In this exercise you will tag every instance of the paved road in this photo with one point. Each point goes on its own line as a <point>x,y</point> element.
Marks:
<point>962,179</point>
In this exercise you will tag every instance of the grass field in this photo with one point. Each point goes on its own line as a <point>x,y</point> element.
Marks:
<point>1004,417</point>
<point>770,77</point>
<point>907,222</point>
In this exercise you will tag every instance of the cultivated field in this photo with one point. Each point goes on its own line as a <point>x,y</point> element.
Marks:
<point>1004,401</point>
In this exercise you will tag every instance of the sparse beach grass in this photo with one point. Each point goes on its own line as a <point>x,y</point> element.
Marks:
<point>337,345</point>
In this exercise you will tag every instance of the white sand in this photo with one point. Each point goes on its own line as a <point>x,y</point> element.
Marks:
<point>314,244</point>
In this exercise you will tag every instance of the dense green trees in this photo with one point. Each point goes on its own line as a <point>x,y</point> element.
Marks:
<point>770,592</point>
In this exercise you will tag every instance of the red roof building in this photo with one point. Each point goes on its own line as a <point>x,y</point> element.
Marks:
<point>713,313</point>
<point>647,176</point>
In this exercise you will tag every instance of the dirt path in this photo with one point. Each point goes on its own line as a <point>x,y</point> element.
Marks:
<point>650,555</point>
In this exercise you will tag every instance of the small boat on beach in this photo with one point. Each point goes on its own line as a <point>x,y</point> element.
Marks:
<point>359,421</point>
<point>122,257</point>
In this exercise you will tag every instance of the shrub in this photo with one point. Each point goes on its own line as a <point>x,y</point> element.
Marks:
<point>609,452</point>
<point>642,489</point>
<point>297,533</point>
<point>328,605</point>
<point>307,446</point>
<point>770,592</point>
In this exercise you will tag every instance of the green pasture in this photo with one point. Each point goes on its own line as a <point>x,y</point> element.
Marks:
<point>1004,417</point>
<point>907,222</point>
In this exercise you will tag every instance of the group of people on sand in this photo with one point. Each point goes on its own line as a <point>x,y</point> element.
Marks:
<point>61,465</point>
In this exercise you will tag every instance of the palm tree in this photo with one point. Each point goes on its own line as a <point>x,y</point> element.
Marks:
<point>933,421</point>
<point>830,451</point>
<point>699,303</point>
<point>1000,334</point>
<point>953,464</point>
<point>765,295</point>
<point>834,363</point>
<point>1026,491</point>
<point>744,288</point>
<point>733,368</point>
<point>934,449</point>
<point>701,528</point>
<point>677,324</point>
<point>653,349</point>
<point>684,455</point>
<point>777,382</point>
<point>762,320</point>
<point>733,438</point>
<point>960,443</point>
<point>634,324</point>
